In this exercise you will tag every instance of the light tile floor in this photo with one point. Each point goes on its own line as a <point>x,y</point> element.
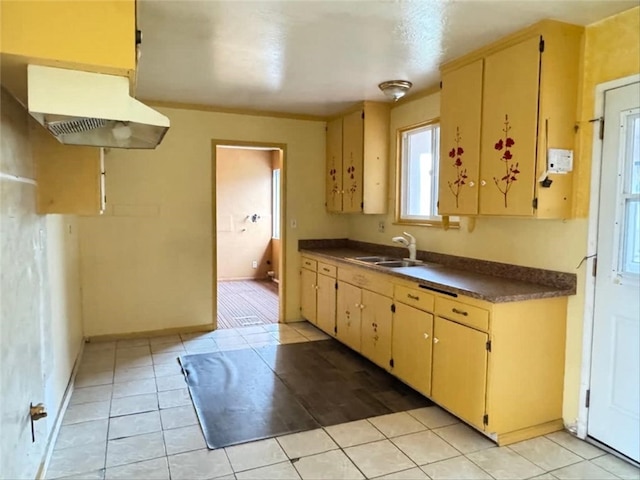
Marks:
<point>131,417</point>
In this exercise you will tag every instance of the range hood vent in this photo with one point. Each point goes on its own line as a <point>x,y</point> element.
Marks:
<point>84,108</point>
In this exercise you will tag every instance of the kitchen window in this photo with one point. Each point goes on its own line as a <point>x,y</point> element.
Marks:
<point>417,174</point>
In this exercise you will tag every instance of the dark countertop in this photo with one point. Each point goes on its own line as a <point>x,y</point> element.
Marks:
<point>453,280</point>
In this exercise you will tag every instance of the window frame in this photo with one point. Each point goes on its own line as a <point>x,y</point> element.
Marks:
<point>276,204</point>
<point>441,221</point>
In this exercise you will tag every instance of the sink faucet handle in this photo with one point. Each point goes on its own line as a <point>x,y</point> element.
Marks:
<point>412,239</point>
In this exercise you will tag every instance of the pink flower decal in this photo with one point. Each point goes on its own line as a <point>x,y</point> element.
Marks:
<point>511,168</point>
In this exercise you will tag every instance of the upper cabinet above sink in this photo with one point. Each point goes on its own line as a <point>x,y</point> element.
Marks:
<point>503,108</point>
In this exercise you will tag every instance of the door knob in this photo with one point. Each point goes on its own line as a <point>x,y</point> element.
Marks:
<point>472,184</point>
<point>483,183</point>
<point>435,340</point>
<point>426,335</point>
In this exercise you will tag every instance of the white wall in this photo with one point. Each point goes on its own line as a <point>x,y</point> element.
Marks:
<point>40,324</point>
<point>148,263</point>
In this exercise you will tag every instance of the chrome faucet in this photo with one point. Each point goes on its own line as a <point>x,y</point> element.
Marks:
<point>410,244</point>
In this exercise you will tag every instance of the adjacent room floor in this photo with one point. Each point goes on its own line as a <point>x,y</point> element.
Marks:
<point>243,303</point>
<point>131,417</point>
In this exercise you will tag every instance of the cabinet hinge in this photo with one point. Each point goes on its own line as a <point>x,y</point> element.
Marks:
<point>601,133</point>
<point>485,419</point>
<point>441,85</point>
<point>393,308</point>
<point>361,205</point>
<point>594,270</point>
<point>391,363</point>
<point>335,329</point>
<point>363,115</point>
<point>587,399</point>
<point>541,46</point>
<point>336,285</point>
<point>534,203</point>
<point>488,345</point>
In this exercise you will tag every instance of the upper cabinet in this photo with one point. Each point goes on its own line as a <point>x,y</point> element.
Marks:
<point>504,108</point>
<point>71,179</point>
<point>95,36</point>
<point>357,155</point>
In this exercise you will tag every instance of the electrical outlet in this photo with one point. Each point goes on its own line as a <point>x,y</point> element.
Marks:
<point>254,264</point>
<point>381,227</point>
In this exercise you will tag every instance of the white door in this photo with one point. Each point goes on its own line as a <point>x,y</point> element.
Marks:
<point>614,408</point>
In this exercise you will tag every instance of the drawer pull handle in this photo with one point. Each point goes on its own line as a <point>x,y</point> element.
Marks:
<point>324,269</point>
<point>435,340</point>
<point>413,297</point>
<point>459,312</point>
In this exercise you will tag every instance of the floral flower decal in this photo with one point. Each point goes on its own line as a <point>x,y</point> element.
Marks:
<point>461,173</point>
<point>334,186</point>
<point>511,168</point>
<point>353,188</point>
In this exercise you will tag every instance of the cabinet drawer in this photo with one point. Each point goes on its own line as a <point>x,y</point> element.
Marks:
<point>326,269</point>
<point>415,298</point>
<point>366,280</point>
<point>309,264</point>
<point>460,312</point>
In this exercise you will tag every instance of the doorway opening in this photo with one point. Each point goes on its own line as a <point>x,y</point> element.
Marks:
<point>248,247</point>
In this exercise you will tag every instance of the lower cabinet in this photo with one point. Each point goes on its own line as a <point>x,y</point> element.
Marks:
<point>459,375</point>
<point>376,328</point>
<point>411,347</point>
<point>326,304</point>
<point>308,294</point>
<point>349,315</point>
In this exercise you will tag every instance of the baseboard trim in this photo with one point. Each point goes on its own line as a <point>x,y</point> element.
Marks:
<point>55,431</point>
<point>530,432</point>
<point>150,333</point>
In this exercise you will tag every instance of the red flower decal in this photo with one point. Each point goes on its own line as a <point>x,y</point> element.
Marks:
<point>505,183</point>
<point>460,151</point>
<point>461,173</point>
<point>452,153</point>
<point>458,162</point>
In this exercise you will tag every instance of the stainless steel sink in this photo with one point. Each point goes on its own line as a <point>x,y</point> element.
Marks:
<point>374,259</point>
<point>399,263</point>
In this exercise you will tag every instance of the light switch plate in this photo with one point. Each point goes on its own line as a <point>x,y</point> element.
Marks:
<point>559,160</point>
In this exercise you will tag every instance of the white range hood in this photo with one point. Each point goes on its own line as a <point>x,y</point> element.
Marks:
<point>83,108</point>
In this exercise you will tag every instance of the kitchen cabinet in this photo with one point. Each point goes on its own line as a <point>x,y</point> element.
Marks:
<point>525,87</point>
<point>349,315</point>
<point>308,294</point>
<point>92,36</point>
<point>318,294</point>
<point>497,366</point>
<point>376,328</point>
<point>411,347</point>
<point>71,178</point>
<point>459,377</point>
<point>460,119</point>
<point>357,156</point>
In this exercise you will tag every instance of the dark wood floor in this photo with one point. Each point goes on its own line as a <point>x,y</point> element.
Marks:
<point>242,303</point>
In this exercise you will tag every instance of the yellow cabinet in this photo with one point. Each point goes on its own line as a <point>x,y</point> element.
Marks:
<point>326,300</point>
<point>308,294</point>
<point>82,35</point>
<point>356,166</point>
<point>459,377</point>
<point>334,166</point>
<point>376,328</point>
<point>460,118</point>
<point>411,346</point>
<point>528,104</point>
<point>70,178</point>
<point>349,315</point>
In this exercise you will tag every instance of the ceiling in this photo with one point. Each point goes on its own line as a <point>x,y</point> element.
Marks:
<point>319,57</point>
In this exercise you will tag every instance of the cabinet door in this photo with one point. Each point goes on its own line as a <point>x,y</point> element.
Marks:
<point>326,318</point>
<point>460,117</point>
<point>352,161</point>
<point>308,291</point>
<point>509,130</point>
<point>459,375</point>
<point>411,347</point>
<point>334,192</point>
<point>376,328</point>
<point>349,313</point>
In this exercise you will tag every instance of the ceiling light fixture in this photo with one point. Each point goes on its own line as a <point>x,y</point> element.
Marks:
<point>395,89</point>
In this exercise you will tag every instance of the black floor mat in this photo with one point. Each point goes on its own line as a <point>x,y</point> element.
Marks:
<point>242,395</point>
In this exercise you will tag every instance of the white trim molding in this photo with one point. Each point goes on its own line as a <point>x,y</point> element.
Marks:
<point>16,178</point>
<point>592,249</point>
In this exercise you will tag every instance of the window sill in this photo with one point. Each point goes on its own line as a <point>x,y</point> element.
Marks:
<point>426,223</point>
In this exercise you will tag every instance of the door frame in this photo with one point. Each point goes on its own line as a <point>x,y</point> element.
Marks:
<point>283,225</point>
<point>592,248</point>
